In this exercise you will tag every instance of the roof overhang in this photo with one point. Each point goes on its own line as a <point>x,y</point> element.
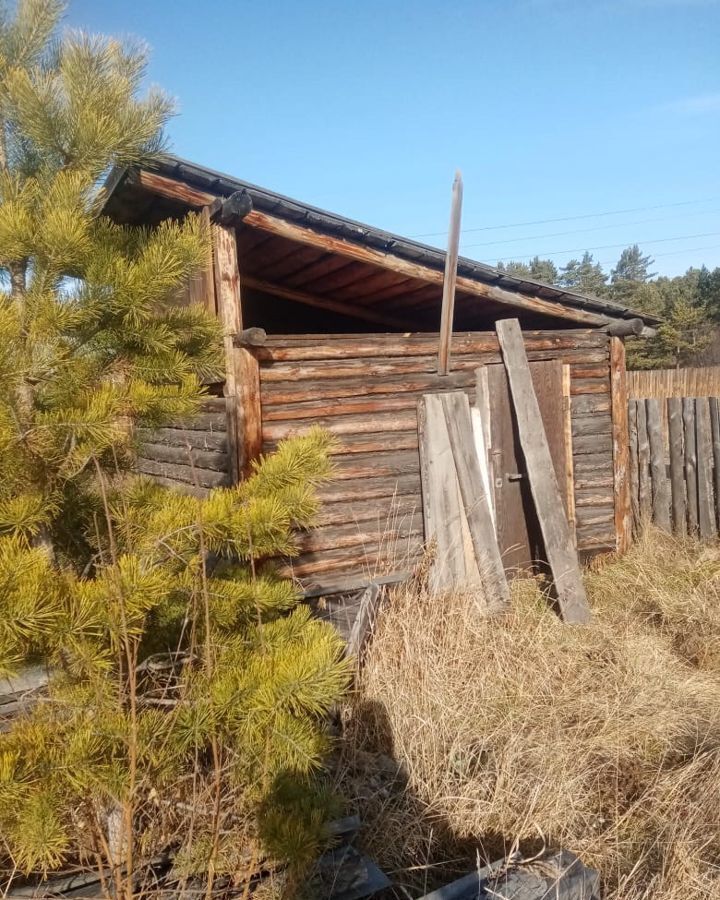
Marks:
<point>173,186</point>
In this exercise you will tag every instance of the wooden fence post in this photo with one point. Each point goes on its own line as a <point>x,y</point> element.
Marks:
<point>715,426</point>
<point>644,489</point>
<point>634,468</point>
<point>706,502</point>
<point>677,467</point>
<point>688,407</point>
<point>660,484</point>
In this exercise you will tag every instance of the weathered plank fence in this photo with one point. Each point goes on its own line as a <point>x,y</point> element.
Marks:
<point>675,471</point>
<point>702,381</point>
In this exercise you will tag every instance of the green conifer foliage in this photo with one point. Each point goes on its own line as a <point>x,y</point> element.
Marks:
<point>188,689</point>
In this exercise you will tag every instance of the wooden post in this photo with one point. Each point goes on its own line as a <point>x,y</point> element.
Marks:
<point>715,426</point>
<point>634,469</point>
<point>706,502</point>
<point>227,295</point>
<point>644,488</point>
<point>249,412</point>
<point>660,485</point>
<point>688,411</point>
<point>677,467</point>
<point>621,444</point>
<point>559,546</point>
<point>448,296</point>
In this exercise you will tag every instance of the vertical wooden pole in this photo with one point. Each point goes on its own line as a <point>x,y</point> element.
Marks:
<point>688,412</point>
<point>634,470</point>
<point>227,297</point>
<point>706,501</point>
<point>644,488</point>
<point>448,296</point>
<point>660,484</point>
<point>621,444</point>
<point>715,426</point>
<point>677,467</point>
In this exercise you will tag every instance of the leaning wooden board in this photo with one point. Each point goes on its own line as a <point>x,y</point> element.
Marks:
<point>559,548</point>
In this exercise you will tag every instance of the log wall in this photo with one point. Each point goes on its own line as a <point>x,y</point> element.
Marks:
<point>364,389</point>
<point>189,454</point>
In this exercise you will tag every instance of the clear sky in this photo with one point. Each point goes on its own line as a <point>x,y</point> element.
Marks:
<point>603,115</point>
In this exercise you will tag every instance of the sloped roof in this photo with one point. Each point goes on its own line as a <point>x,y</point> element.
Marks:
<point>273,203</point>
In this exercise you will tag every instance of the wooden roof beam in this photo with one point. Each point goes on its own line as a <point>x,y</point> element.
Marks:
<point>177,190</point>
<point>386,260</point>
<point>335,306</point>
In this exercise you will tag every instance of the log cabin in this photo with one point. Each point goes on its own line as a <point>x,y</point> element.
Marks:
<point>331,322</point>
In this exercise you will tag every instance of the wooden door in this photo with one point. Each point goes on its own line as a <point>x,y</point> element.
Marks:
<point>518,529</point>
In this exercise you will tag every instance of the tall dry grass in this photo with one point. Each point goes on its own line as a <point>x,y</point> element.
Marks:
<point>469,733</point>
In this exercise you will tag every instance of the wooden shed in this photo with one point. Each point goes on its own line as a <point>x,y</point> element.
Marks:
<point>352,316</point>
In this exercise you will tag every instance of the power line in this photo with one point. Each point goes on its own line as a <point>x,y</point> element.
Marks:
<point>610,262</point>
<point>612,212</point>
<point>546,253</point>
<point>534,237</point>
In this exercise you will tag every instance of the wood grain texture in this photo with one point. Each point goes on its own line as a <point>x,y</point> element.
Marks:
<point>706,501</point>
<point>249,409</point>
<point>691,480</point>
<point>475,499</point>
<point>442,503</point>
<point>557,537</point>
<point>677,466</point>
<point>568,442</point>
<point>715,429</point>
<point>383,259</point>
<point>645,486</point>
<point>227,297</point>
<point>634,470</point>
<point>621,443</point>
<point>658,472</point>
<point>449,278</point>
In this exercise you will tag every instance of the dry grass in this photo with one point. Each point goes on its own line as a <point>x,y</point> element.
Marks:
<point>470,732</point>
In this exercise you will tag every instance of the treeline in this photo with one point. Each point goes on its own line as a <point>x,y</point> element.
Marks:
<point>689,304</point>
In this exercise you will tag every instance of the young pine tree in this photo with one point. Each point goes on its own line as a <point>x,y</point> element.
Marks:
<point>209,748</point>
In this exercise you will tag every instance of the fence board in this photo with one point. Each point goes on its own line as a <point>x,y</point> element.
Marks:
<point>706,501</point>
<point>634,470</point>
<point>715,428</point>
<point>677,466</point>
<point>688,407</point>
<point>701,381</point>
<point>644,489</point>
<point>658,472</point>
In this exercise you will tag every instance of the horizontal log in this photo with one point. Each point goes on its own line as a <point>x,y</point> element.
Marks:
<point>598,424</point>
<point>364,443</point>
<point>376,465</point>
<point>594,482</point>
<point>285,393</point>
<point>586,370</point>
<point>353,583</point>
<point>593,443</point>
<point>212,404</point>
<point>597,538</point>
<point>190,489</point>
<point>186,456</point>
<point>588,497</point>
<point>626,328</point>
<point>312,568</point>
<point>589,404</point>
<point>595,516</point>
<point>184,437</point>
<point>280,349</point>
<point>369,366</point>
<point>369,488</point>
<point>389,512</point>
<point>172,471</point>
<point>209,421</point>
<point>341,406</point>
<point>364,534</point>
<point>343,425</point>
<point>589,386</point>
<point>593,465</point>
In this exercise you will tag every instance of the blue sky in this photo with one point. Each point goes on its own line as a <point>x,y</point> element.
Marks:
<point>553,110</point>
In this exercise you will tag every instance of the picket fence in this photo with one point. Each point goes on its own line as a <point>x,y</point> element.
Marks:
<point>675,470</point>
